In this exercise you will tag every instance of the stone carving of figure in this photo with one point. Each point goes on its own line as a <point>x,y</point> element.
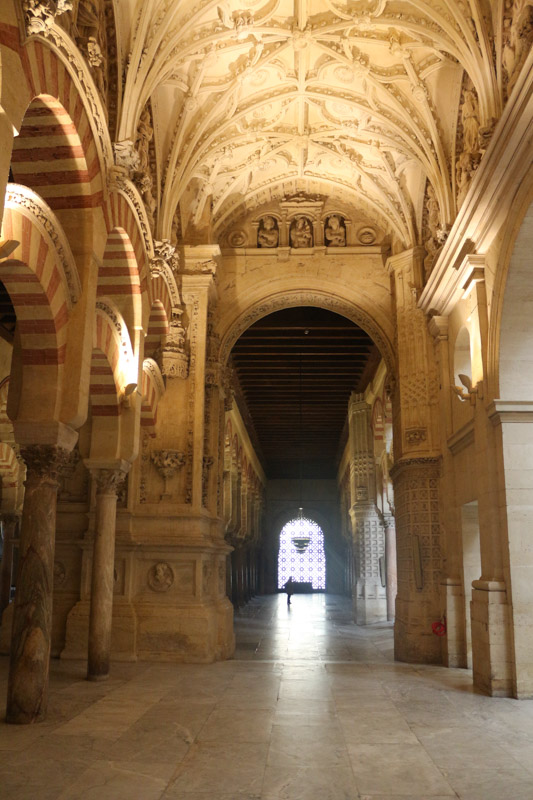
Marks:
<point>160,577</point>
<point>268,233</point>
<point>470,120</point>
<point>335,231</point>
<point>145,134</point>
<point>301,233</point>
<point>433,211</point>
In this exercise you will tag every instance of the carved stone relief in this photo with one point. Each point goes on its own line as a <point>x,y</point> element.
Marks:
<point>335,231</point>
<point>160,577</point>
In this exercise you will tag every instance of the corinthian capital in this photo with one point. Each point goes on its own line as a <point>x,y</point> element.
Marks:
<point>44,462</point>
<point>108,481</point>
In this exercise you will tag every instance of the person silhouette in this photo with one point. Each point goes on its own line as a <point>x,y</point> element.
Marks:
<point>289,589</point>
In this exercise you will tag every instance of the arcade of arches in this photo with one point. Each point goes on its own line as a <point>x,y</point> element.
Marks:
<point>257,256</point>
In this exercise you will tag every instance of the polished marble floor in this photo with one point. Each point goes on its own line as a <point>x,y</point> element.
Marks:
<point>311,708</point>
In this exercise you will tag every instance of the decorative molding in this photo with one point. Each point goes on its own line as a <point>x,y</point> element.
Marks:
<point>462,438</point>
<point>291,299</point>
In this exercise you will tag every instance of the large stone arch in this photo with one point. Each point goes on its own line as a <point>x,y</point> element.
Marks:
<point>319,298</point>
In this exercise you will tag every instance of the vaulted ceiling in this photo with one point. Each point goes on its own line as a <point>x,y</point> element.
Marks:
<point>296,370</point>
<point>356,99</point>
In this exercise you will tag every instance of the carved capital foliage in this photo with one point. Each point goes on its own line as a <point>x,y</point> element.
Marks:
<point>40,15</point>
<point>165,255</point>
<point>109,481</point>
<point>44,463</point>
<point>167,462</point>
<point>126,157</point>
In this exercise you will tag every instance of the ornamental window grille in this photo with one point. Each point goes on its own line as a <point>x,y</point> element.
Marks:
<point>307,566</point>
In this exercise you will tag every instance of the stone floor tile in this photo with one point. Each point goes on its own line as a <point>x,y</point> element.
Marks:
<point>297,783</point>
<point>396,768</point>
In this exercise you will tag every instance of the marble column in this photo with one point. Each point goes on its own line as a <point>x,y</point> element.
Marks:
<point>9,528</point>
<point>108,481</point>
<point>27,691</point>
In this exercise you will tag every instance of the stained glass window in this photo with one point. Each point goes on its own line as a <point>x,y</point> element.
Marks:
<point>307,565</point>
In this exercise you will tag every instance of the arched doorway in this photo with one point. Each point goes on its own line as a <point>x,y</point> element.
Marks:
<point>301,554</point>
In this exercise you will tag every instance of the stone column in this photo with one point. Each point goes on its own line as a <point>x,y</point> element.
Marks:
<point>415,475</point>
<point>108,481</point>
<point>197,288</point>
<point>390,565</point>
<point>369,597</point>
<point>455,605</point>
<point>27,691</point>
<point>9,529</point>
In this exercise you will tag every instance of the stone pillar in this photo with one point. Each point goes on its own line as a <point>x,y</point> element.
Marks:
<point>369,597</point>
<point>196,290</point>
<point>27,691</point>
<point>455,605</point>
<point>390,565</point>
<point>108,482</point>
<point>415,475</point>
<point>9,529</point>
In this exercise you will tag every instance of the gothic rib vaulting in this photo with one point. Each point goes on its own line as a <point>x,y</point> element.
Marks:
<point>256,257</point>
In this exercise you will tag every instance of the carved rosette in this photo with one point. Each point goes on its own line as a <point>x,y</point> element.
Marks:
<point>109,481</point>
<point>167,462</point>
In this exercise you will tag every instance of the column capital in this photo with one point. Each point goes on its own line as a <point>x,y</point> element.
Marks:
<point>108,475</point>
<point>44,462</point>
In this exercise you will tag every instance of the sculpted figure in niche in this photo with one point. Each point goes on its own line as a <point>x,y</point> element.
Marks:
<point>268,233</point>
<point>335,231</point>
<point>301,233</point>
<point>470,120</point>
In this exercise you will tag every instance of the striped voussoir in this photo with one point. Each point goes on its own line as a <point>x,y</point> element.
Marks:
<point>35,285</point>
<point>150,398</point>
<point>158,327</point>
<point>118,214</point>
<point>118,277</point>
<point>55,152</point>
<point>105,369</point>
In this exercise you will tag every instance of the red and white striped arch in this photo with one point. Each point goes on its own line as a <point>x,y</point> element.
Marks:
<point>56,124</point>
<point>153,388</point>
<point>118,277</point>
<point>158,326</point>
<point>112,364</point>
<point>35,278</point>
<point>118,213</point>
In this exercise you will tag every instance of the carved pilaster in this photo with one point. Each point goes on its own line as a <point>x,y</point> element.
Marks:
<point>415,401</point>
<point>418,534</point>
